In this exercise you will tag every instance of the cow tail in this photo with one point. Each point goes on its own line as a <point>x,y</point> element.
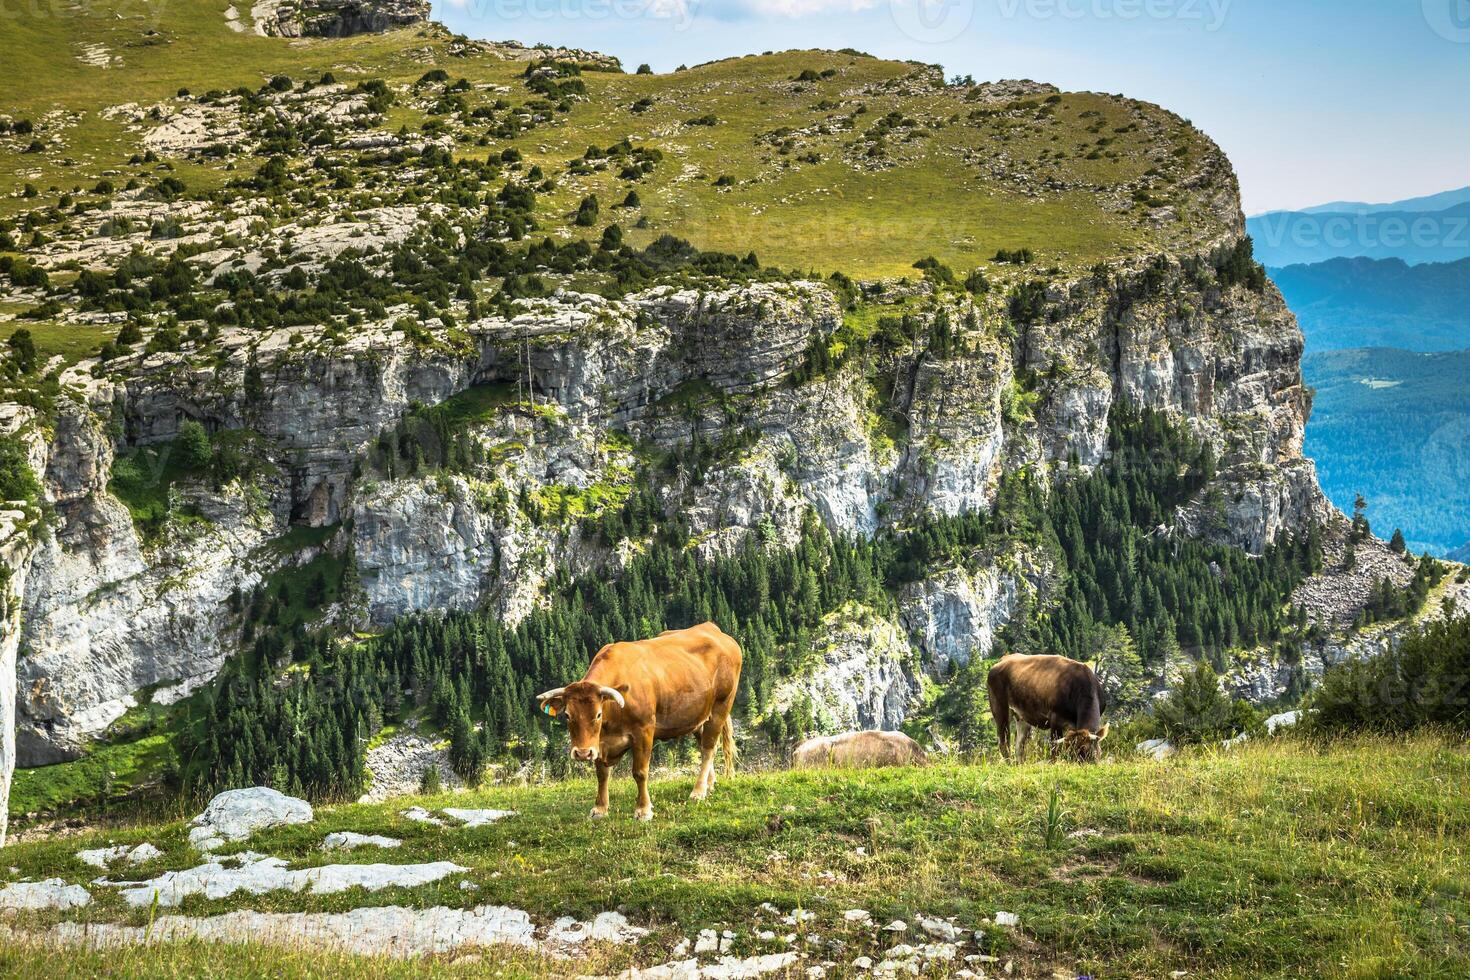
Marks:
<point>727,743</point>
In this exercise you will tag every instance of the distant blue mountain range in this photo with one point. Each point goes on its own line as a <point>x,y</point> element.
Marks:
<point>1423,229</point>
<point>1382,292</point>
<point>1432,202</point>
<point>1344,303</point>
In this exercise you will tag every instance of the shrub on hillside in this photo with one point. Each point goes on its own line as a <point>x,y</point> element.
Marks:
<point>17,479</point>
<point>1197,710</point>
<point>1424,681</point>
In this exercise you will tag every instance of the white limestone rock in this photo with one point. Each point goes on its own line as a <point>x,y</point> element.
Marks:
<point>605,927</point>
<point>259,875</point>
<point>477,818</point>
<point>102,857</point>
<point>346,840</point>
<point>53,893</point>
<point>1282,720</point>
<point>1157,749</point>
<point>235,814</point>
<point>378,931</point>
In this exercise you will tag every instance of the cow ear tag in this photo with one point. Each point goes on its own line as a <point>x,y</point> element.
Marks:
<point>548,709</point>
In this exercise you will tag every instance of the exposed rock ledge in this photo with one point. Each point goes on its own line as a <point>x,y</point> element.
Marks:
<point>335,18</point>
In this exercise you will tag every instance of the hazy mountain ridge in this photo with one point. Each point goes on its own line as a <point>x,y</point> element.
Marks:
<point>1292,237</point>
<point>1361,302</point>
<point>1429,202</point>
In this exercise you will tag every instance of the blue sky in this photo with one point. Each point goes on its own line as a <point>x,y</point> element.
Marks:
<point>1314,100</point>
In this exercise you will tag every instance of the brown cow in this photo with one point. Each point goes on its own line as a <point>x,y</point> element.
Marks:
<point>859,750</point>
<point>1060,695</point>
<point>678,682</point>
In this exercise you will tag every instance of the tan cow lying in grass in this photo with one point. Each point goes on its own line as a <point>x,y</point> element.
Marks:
<point>675,684</point>
<point>858,750</point>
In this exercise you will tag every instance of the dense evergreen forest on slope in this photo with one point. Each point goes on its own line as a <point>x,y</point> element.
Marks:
<point>1348,303</point>
<point>1132,593</point>
<point>1394,426</point>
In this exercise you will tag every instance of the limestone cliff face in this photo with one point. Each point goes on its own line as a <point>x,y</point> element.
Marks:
<point>1225,361</point>
<point>581,381</point>
<point>336,18</point>
<point>18,530</point>
<point>955,616</point>
<point>106,615</point>
<point>15,554</point>
<point>864,674</point>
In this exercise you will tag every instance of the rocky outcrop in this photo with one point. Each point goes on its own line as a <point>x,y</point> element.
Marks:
<point>53,893</point>
<point>335,18</point>
<point>397,766</point>
<point>392,930</point>
<point>15,560</point>
<point>107,615</point>
<point>954,616</point>
<point>236,814</point>
<point>955,453</point>
<point>1226,361</point>
<point>862,674</point>
<point>256,874</point>
<point>17,543</point>
<point>420,547</point>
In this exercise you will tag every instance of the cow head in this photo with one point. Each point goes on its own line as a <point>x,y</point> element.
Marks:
<point>582,704</point>
<point>1085,745</point>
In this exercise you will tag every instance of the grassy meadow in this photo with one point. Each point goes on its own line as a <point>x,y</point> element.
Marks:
<point>1282,858</point>
<point>1072,177</point>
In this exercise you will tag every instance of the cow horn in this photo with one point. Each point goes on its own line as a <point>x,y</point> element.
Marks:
<point>554,692</point>
<point>614,694</point>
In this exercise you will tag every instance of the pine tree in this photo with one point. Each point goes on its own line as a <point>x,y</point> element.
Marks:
<point>1195,710</point>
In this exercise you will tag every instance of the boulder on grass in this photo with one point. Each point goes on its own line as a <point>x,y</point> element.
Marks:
<point>236,814</point>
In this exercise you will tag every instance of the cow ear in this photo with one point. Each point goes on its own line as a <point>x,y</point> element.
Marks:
<point>1102,733</point>
<point>552,702</point>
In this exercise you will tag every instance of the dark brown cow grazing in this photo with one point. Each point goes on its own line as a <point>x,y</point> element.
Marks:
<point>676,683</point>
<point>1053,693</point>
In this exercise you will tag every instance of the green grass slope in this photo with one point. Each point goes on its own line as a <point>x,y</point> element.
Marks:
<point>1277,859</point>
<point>831,161</point>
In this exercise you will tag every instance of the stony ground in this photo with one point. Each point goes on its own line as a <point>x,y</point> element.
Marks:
<point>1278,858</point>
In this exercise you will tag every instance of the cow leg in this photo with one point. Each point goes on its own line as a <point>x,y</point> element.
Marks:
<point>709,737</point>
<point>1025,736</point>
<point>642,753</point>
<point>599,811</point>
<point>1000,711</point>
